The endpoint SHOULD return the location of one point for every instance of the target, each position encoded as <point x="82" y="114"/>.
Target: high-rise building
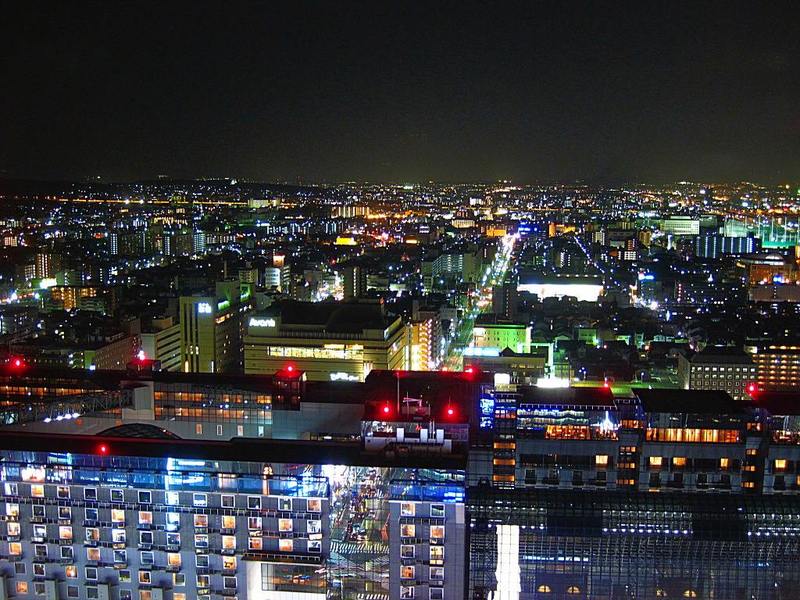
<point x="504" y="300"/>
<point x="212" y="328"/>
<point x="354" y="281"/>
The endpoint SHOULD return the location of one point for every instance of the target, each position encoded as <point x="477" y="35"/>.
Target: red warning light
<point x="469" y="370"/>
<point x="17" y="362"/>
<point x="605" y="384"/>
<point x="102" y="449"/>
<point x="450" y="411"/>
<point x="752" y="388"/>
<point x="386" y="409"/>
<point x="290" y="368"/>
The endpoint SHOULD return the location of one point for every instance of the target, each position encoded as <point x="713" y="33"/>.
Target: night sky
<point x="450" y="91"/>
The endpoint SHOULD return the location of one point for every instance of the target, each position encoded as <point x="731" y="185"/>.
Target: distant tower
<point x="355" y="281"/>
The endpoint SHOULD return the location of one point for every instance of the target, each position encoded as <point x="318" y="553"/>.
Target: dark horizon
<point x="318" y="93"/>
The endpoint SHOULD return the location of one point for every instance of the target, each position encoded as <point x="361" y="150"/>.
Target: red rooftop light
<point x="450" y="411"/>
<point x="386" y="409"/>
<point x="102" y="449"/>
<point x="290" y="368"/>
<point x="18" y="362"/>
<point x="752" y="388"/>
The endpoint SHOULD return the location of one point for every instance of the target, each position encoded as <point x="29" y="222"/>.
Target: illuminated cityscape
<point x="407" y="302"/>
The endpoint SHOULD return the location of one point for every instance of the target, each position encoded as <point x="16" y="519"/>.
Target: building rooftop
<point x="333" y="317"/>
<point x="722" y="355"/>
<point x="666" y="400"/>
<point x="600" y="397"/>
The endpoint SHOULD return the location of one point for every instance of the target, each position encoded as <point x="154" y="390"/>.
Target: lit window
<point x="228" y="522"/>
<point x="201" y="521"/>
<point x="689" y="593"/>
<point x="544" y="589"/>
<point x="15" y="549"/>
<point x="37" y="491"/>
<point x="437" y="532"/>
<point x="228" y="543"/>
<point x="255" y="543"/>
<point x="172" y="498"/>
<point x="407" y="509"/>
<point x="601" y="460"/>
<point x="724" y="463"/>
<point x="408" y="530"/>
<point x="93" y="554"/>
<point x="573" y="589"/>
<point x="780" y="464"/>
<point x="117" y="516"/>
<point x="285" y="545"/>
<point x="407" y="572"/>
<point x="678" y="461"/>
<point x="285" y="525"/>
<point x="174" y="560"/>
<point x="145" y="517"/>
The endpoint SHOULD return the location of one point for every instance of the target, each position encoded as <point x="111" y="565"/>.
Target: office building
<point x="162" y="341"/>
<point x="212" y="326"/>
<point x="326" y="340"/>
